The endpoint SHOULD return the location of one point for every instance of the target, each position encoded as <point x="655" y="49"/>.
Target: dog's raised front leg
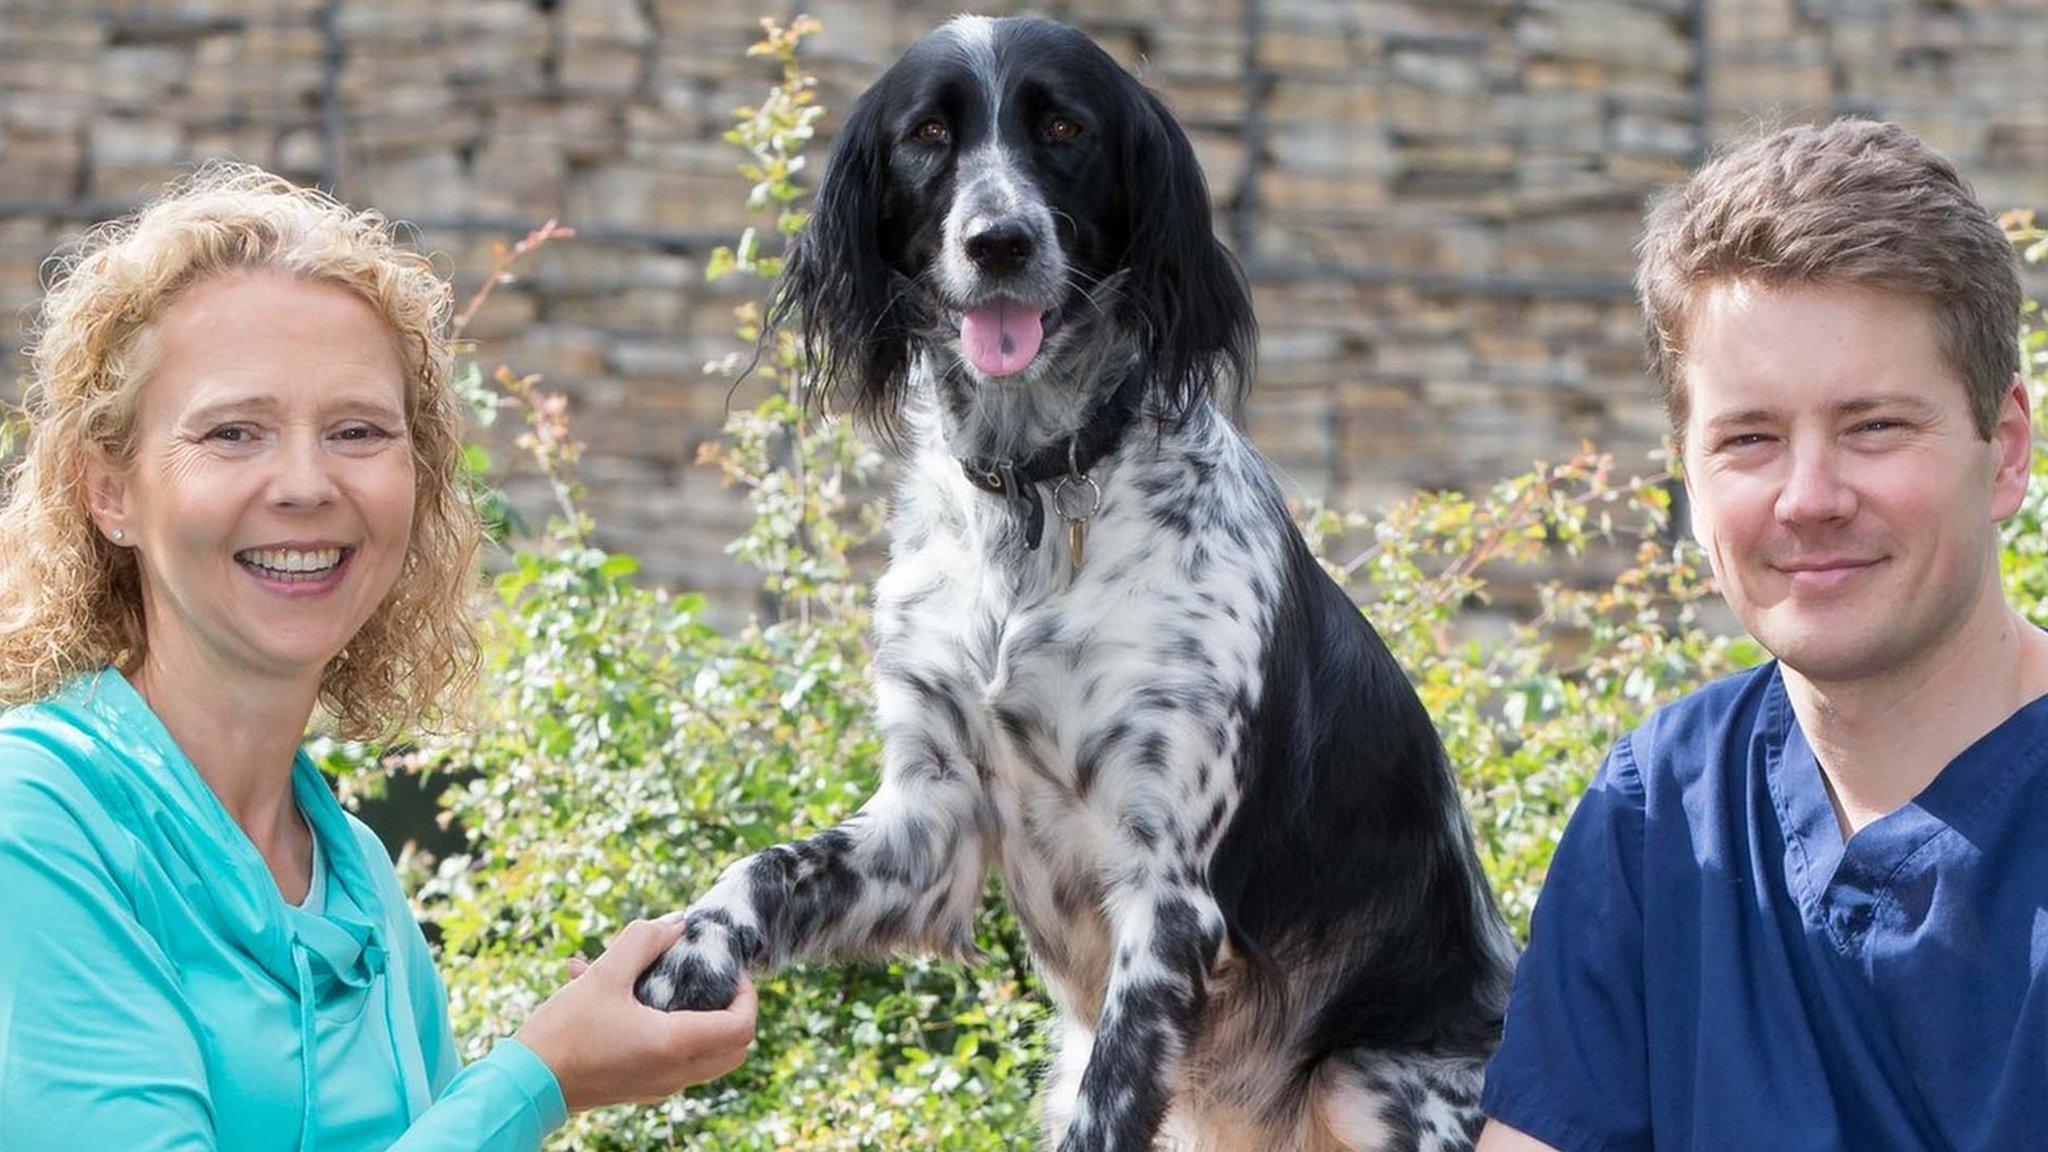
<point x="1168" y="934"/>
<point x="903" y="873"/>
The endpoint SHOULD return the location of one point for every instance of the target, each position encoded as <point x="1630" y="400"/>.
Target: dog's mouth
<point x="1002" y="336"/>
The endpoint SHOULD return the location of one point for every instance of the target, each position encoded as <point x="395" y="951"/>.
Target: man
<point x="1806" y="907"/>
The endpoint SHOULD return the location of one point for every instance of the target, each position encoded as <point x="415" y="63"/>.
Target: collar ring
<point x="1068" y="494"/>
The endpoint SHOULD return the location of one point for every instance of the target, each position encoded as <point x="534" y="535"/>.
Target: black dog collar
<point x="1017" y="483"/>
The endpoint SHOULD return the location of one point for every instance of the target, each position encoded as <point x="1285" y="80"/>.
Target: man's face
<point x="1842" y="493"/>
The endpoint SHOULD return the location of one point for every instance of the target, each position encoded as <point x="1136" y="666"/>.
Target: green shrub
<point x="624" y="751"/>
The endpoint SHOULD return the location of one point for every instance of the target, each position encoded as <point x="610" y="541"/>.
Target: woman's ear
<point x="106" y="494"/>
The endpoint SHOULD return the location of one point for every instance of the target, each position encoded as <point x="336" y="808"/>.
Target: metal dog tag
<point x="1076" y="498"/>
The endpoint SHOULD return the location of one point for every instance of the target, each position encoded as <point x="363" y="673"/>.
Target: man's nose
<point x="1815" y="491"/>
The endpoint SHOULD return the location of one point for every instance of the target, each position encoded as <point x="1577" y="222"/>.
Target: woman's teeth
<point x="289" y="563"/>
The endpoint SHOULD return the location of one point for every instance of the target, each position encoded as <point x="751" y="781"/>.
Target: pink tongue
<point x="1001" y="338"/>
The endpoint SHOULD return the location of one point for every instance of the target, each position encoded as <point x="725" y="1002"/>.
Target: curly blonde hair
<point x="70" y="601"/>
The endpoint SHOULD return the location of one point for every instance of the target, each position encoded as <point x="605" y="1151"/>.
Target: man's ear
<point x="106" y="493"/>
<point x="2013" y="439"/>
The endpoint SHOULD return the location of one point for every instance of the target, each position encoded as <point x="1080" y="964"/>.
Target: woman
<point x="241" y="498"/>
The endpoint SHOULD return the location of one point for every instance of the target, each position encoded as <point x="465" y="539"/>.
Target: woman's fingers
<point x="710" y="1044"/>
<point x="745" y="1002"/>
<point x="637" y="945"/>
<point x="722" y="1029"/>
<point x="605" y="1047"/>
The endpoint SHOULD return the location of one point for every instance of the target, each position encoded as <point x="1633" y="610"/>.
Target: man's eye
<point x="1745" y="440"/>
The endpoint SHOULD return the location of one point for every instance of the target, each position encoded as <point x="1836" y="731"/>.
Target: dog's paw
<point x="699" y="973"/>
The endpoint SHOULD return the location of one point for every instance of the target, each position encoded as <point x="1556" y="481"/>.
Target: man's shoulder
<point x="1700" y="730"/>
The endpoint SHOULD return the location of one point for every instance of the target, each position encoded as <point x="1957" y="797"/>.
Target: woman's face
<point x="269" y="500"/>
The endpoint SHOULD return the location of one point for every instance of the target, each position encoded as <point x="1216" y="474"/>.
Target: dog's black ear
<point x="849" y="305"/>
<point x="1188" y="299"/>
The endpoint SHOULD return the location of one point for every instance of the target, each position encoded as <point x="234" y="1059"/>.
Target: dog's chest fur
<point x="1102" y="708"/>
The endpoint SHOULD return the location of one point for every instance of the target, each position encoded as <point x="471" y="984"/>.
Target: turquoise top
<point x="157" y="993"/>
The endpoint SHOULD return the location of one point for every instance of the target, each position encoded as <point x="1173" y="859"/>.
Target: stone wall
<point x="1437" y="198"/>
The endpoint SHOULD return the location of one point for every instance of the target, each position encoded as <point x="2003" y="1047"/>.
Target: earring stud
<point x="117" y="534"/>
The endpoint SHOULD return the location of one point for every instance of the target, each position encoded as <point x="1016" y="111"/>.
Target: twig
<point x="501" y="272"/>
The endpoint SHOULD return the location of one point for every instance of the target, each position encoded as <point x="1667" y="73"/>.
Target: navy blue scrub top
<point x="1711" y="967"/>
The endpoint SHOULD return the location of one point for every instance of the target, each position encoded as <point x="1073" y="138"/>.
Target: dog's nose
<point x="1001" y="248"/>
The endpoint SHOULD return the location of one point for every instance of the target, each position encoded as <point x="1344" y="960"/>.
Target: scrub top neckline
<point x="1820" y="863"/>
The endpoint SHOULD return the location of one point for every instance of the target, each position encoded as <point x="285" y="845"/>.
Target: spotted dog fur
<point x="1218" y="809"/>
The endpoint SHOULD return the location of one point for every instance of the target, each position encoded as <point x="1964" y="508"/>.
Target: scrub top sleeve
<point x="505" y="1102"/>
<point x="1572" y="1069"/>
<point x="95" y="1040"/>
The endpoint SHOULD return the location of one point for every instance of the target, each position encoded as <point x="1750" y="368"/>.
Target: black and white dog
<point x="1106" y="663"/>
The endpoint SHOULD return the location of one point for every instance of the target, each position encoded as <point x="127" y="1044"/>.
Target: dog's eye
<point x="930" y="132"/>
<point x="1060" y="129"/>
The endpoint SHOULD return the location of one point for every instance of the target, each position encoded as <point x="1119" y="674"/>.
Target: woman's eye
<point x="931" y="132"/>
<point x="230" y="434"/>
<point x="1060" y="129"/>
<point x="366" y="437"/>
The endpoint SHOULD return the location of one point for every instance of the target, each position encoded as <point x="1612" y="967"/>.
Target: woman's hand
<point x="605" y="1047"/>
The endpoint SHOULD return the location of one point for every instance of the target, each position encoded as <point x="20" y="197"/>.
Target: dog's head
<point x="1011" y="202"/>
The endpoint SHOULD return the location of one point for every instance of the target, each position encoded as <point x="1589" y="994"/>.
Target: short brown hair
<point x="1857" y="202"/>
<point x="70" y="602"/>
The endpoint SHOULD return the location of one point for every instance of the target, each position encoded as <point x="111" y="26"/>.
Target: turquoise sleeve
<point x="428" y="995"/>
<point x="505" y="1102"/>
<point x="96" y="1046"/>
